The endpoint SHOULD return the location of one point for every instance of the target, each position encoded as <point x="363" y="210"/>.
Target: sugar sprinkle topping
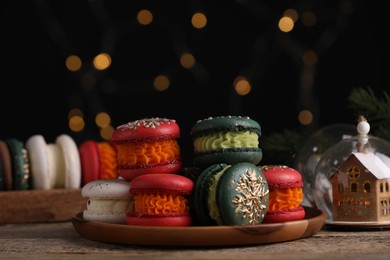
<point x="147" y="122"/>
<point x="210" y="118"/>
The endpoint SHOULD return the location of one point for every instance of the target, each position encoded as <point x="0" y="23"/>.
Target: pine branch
<point x="281" y="148"/>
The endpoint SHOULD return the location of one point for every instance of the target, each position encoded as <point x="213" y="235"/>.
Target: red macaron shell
<point x="278" y="216"/>
<point x="147" y="129"/>
<point x="90" y="164"/>
<point x="168" y="168"/>
<point x="280" y="176"/>
<point x="166" y="221"/>
<point x="164" y="182"/>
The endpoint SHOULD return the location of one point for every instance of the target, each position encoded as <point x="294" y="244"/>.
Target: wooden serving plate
<point x="194" y="236"/>
<point x="38" y="206"/>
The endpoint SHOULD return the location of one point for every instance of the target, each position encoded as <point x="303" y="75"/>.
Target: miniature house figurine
<point x="360" y="185"/>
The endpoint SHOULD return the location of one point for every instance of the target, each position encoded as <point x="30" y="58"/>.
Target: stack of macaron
<point x="230" y="189"/>
<point x="138" y="177"/>
<point x="149" y="161"/>
<point x="39" y="165"/>
<point x="36" y="164"/>
<point x="227" y="149"/>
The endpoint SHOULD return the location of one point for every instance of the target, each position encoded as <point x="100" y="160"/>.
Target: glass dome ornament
<point x="312" y="150"/>
<point x="352" y="179"/>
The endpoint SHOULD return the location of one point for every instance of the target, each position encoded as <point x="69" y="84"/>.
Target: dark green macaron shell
<point x="20" y="164"/>
<point x="226" y="139"/>
<point x="231" y="195"/>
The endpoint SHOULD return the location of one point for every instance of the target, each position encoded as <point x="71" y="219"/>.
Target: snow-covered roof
<point x="375" y="164"/>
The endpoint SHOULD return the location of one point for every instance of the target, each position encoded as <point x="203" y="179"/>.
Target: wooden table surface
<point x="62" y="241"/>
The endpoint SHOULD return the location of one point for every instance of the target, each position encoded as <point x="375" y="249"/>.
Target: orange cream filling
<point x="108" y="161"/>
<point x="160" y="203"/>
<point x="282" y="199"/>
<point x="131" y="154"/>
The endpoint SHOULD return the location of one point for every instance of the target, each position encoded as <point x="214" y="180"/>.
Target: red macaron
<point x="147" y="146"/>
<point x="160" y="199"/>
<point x="98" y="161"/>
<point x="285" y="194"/>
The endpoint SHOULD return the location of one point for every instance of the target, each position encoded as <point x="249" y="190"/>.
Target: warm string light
<point x="91" y="73"/>
<point x="291" y="18"/>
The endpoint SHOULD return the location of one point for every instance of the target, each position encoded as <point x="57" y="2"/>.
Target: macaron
<point x="147" y="146"/>
<point x="14" y="165"/>
<point x="160" y="199"/>
<point x="286" y="194"/>
<point x="98" y="161"/>
<point x="226" y="139"/>
<point x="108" y="200"/>
<point x="231" y="195"/>
<point x="5" y="167"/>
<point x="54" y="165"/>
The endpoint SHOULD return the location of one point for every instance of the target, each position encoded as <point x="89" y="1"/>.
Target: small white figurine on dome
<point x="363" y="128"/>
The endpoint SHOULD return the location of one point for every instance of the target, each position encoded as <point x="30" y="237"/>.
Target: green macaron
<point x="226" y="139"/>
<point x="19" y="163"/>
<point x="230" y="195"/>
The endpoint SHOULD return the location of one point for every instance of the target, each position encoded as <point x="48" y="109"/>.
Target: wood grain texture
<point x="62" y="241"/>
<point x="35" y="206"/>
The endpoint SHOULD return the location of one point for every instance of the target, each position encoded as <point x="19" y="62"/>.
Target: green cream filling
<point x="225" y="140"/>
<point x="212" y="198"/>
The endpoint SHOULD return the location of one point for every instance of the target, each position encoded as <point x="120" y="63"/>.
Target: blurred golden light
<point x="310" y="58"/>
<point x="305" y="117"/>
<point x="309" y="19"/>
<point x="73" y="63"/>
<point x="76" y="123"/>
<point x="199" y="20"/>
<point x="102" y="119"/>
<point x="187" y="60"/>
<point x="145" y="17"/>
<point x="102" y="61"/>
<point x="292" y="13"/>
<point x="161" y="83"/>
<point x="286" y="24"/>
<point x="106" y="132"/>
<point x="242" y="86"/>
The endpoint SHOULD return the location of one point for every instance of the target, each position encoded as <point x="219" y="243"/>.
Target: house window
<point x="353" y="172"/>
<point x="366" y="187"/>
<point x="353" y="187"/>
<point x="341" y="187"/>
<point x="381" y="187"/>
<point x="387" y="187"/>
<point x="384" y="209"/>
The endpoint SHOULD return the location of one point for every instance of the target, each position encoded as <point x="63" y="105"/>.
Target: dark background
<point x="241" y="37"/>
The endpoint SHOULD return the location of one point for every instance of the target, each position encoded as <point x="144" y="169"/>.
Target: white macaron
<point x="108" y="200"/>
<point x="54" y="165"/>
